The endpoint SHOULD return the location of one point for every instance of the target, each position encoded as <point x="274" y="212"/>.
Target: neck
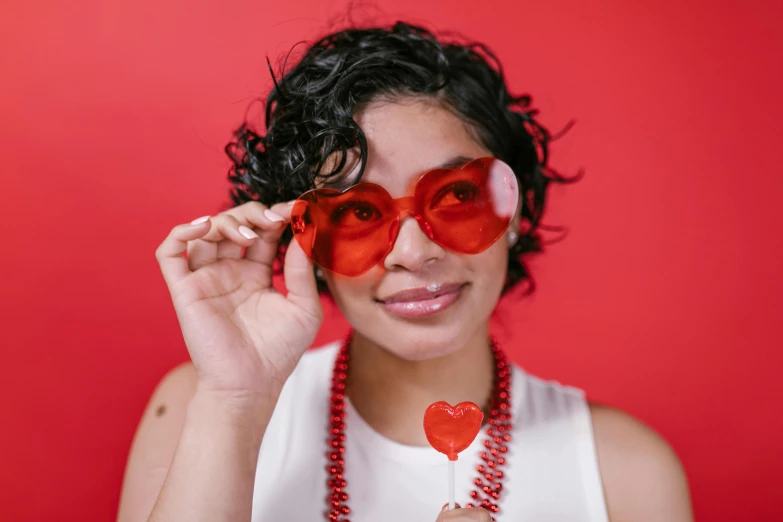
<point x="391" y="393"/>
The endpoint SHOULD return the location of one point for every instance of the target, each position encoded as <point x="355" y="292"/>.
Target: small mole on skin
<point x="161" y="410"/>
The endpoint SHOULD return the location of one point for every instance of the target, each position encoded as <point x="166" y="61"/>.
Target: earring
<point x="512" y="237"/>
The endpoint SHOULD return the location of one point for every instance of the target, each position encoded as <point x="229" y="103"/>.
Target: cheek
<point x="348" y="291"/>
<point x="491" y="265"/>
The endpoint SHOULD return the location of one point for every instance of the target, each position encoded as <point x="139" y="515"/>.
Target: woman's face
<point x="421" y="301"/>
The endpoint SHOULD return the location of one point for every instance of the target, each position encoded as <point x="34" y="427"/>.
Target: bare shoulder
<point x="155" y="441"/>
<point x="643" y="478"/>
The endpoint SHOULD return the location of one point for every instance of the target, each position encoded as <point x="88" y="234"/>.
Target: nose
<point x="412" y="249"/>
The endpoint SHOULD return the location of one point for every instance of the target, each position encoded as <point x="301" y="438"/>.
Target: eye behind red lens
<point x="468" y="209"/>
<point x="344" y="232"/>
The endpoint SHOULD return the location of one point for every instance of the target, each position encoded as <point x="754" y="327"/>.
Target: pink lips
<point x="422" y="302"/>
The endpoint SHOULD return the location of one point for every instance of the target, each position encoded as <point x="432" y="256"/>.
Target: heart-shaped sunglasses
<point x="464" y="210"/>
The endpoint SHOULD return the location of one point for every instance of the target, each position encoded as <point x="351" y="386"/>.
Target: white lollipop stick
<point x="451" y="484"/>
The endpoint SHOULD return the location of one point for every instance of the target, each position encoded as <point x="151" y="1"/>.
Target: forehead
<point x="407" y="137"/>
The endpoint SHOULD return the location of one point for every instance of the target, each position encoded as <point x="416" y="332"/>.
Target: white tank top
<point x="551" y="470"/>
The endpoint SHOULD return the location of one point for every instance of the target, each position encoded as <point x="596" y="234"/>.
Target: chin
<point x="423" y="341"/>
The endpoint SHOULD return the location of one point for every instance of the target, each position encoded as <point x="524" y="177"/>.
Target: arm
<point x="194" y="454"/>
<point x="155" y="443"/>
<point x="643" y="479"/>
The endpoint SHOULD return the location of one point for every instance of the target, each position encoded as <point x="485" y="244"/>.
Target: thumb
<point x="300" y="280"/>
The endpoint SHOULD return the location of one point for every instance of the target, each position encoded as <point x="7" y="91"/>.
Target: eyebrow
<point x="455" y="161"/>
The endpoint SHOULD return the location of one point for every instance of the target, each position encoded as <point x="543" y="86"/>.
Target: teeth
<point x="434" y="287"/>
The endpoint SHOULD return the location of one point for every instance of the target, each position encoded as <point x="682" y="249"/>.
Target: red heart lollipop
<point x="451" y="429"/>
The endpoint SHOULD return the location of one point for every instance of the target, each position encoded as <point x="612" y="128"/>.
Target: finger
<point x="253" y="211"/>
<point x="300" y="280"/>
<point x="201" y="253"/>
<point x="269" y="226"/>
<point x="171" y="252"/>
<point x="464" y="515"/>
<point x="227" y="233"/>
<point x="283" y="210"/>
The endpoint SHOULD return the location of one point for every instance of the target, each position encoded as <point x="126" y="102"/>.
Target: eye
<point x="457" y="193"/>
<point x="354" y="213"/>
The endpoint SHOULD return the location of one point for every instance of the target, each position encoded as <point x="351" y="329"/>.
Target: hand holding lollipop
<point x="450" y="430"/>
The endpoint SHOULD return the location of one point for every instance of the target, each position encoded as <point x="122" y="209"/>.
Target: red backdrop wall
<point x="664" y="300"/>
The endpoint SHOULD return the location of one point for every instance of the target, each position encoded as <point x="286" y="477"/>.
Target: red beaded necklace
<point x="490" y="476"/>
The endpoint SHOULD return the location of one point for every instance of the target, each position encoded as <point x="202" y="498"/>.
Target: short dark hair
<point x="310" y="111"/>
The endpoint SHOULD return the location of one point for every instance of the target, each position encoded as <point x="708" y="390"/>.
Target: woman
<point x="255" y="428"/>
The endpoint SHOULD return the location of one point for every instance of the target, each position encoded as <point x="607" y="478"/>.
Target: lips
<point x="417" y="303"/>
<point x="423" y="293"/>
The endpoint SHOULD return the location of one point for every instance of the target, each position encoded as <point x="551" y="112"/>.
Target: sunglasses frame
<point x="404" y="207"/>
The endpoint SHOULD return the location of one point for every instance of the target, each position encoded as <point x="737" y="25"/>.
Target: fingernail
<point x="272" y="216"/>
<point x="292" y="202"/>
<point x="200" y="220"/>
<point x="247" y="232"/>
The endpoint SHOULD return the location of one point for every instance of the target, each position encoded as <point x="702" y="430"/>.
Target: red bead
<point x="345" y="510"/>
<point x="474" y="494"/>
<point x="480" y="468"/>
<point x="491" y="464"/>
<point x="501" y="461"/>
<point x="489" y="476"/>
<point x="477" y="481"/>
<point x="499" y="474"/>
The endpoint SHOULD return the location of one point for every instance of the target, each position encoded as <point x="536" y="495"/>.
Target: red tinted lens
<point x="468" y="209"/>
<point x="344" y="232"/>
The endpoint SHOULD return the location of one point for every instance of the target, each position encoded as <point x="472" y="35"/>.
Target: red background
<point x="664" y="300"/>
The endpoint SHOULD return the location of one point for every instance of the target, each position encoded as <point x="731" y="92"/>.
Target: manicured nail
<point x="200" y="220"/>
<point x="247" y="232"/>
<point x="272" y="216"/>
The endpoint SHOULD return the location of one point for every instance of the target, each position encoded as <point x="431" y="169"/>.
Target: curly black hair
<point x="310" y="112"/>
